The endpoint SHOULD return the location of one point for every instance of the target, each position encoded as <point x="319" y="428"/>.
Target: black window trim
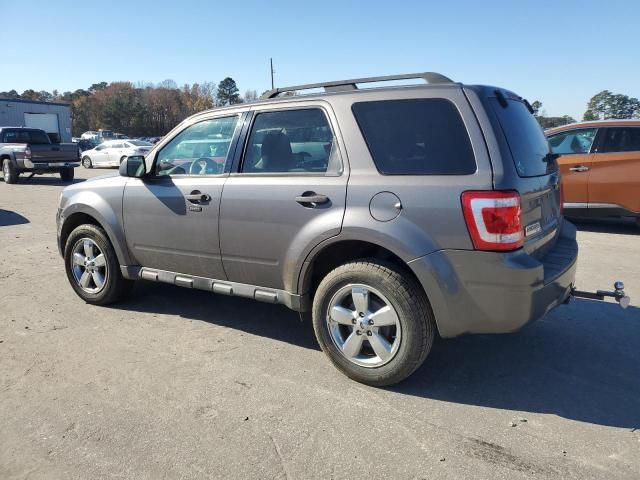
<point x="462" y="120"/>
<point x="238" y="161"/>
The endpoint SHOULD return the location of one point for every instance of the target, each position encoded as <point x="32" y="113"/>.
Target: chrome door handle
<point x="579" y="168"/>
<point x="197" y="197"/>
<point x="312" y="198"/>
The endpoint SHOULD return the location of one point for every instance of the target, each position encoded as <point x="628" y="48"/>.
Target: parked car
<point x="112" y="153"/>
<point x="387" y="214"/>
<point x="600" y="164"/>
<point x="86" y="145"/>
<point x="29" y="150"/>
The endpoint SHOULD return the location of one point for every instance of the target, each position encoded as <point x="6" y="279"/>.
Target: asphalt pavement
<point x="180" y="384"/>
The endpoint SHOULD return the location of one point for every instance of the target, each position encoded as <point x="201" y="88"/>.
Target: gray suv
<point x="387" y="213"/>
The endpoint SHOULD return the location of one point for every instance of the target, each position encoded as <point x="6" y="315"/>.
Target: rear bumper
<point x="28" y="165"/>
<point x="490" y="292"/>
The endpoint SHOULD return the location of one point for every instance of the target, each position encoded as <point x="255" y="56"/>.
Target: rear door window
<point x="527" y="143"/>
<point x="623" y="139"/>
<point x="416" y="137"/>
<point x="292" y="142"/>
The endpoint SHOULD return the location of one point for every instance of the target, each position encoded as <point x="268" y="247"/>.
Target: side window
<point x="10" y="137"/>
<point x="573" y="141"/>
<point x="416" y="137"/>
<point x="201" y="149"/>
<point x="291" y="141"/>
<point x="102" y="146"/>
<point x="622" y="140"/>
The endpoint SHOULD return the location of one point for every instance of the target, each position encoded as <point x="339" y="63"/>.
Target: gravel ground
<point x="178" y="383"/>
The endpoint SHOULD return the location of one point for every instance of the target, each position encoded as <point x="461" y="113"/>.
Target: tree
<point x="250" y="95"/>
<point x="96" y="87"/>
<point x="605" y="105"/>
<point x="228" y="92"/>
<point x="12" y="94"/>
<point x="549" y="122"/>
<point x="537" y="106"/>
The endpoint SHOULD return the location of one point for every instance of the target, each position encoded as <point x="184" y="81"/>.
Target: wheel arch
<point x="86" y="215"/>
<point x="336" y="253"/>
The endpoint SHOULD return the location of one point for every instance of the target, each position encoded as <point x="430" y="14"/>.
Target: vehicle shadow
<point x="256" y="318"/>
<point x="8" y="218"/>
<point x="623" y="226"/>
<point x="581" y="362"/>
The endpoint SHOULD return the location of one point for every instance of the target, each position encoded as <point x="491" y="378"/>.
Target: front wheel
<point x="373" y="322"/>
<point x="92" y="266"/>
<point x="86" y="162"/>
<point x="122" y="159"/>
<point x="66" y="174"/>
<point x="9" y="172"/>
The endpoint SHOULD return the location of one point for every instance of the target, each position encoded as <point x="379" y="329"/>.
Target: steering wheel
<point x="208" y="165"/>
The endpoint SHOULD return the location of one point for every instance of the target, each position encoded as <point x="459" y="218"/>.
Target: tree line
<point x="138" y="110"/>
<point x="153" y="110"/>
<point x="602" y="106"/>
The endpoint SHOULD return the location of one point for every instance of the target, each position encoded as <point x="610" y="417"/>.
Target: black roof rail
<point x="344" y="85"/>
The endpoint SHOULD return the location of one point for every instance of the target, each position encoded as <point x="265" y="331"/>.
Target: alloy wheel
<point x="364" y="325"/>
<point x="89" y="266"/>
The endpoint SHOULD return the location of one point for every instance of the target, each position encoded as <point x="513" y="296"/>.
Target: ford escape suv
<point x="389" y="214"/>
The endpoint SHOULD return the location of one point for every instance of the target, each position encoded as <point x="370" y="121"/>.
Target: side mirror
<point x="133" y="166"/>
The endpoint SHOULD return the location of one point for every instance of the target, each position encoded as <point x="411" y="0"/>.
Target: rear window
<point x="26" y="136"/>
<point x="528" y="145"/>
<point x="416" y="137"/>
<point x="140" y="143"/>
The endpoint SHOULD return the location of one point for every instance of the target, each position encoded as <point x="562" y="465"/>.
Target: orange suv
<point x="600" y="166"/>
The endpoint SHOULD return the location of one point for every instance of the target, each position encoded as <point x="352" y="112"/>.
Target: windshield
<point x="139" y="143"/>
<point x="528" y="145"/>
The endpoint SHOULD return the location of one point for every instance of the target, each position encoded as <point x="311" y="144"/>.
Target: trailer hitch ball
<point x="618" y="294"/>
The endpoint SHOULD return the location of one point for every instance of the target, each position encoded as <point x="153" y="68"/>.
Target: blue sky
<point x="559" y="52"/>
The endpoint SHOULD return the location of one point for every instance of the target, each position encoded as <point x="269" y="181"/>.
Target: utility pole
<point x="272" y="72"/>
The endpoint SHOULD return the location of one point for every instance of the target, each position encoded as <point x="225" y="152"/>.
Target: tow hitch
<point x="618" y="294"/>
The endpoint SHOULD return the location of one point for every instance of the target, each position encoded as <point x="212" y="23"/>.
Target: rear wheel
<point x="373" y="322"/>
<point x="86" y="162"/>
<point x="66" y="174"/>
<point x="9" y="172"/>
<point x="92" y="266"/>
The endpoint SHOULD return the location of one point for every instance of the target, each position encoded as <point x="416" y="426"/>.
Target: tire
<point x="66" y="174"/>
<point x="86" y="162"/>
<point x="409" y="340"/>
<point x="9" y="172"/>
<point x="114" y="286"/>
<point x="122" y="159"/>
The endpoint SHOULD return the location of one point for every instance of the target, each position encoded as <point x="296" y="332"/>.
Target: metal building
<point x="53" y="118"/>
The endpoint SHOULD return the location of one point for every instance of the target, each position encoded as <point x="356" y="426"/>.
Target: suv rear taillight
<point x="561" y="198"/>
<point x="27" y="153"/>
<point x="494" y="219"/>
